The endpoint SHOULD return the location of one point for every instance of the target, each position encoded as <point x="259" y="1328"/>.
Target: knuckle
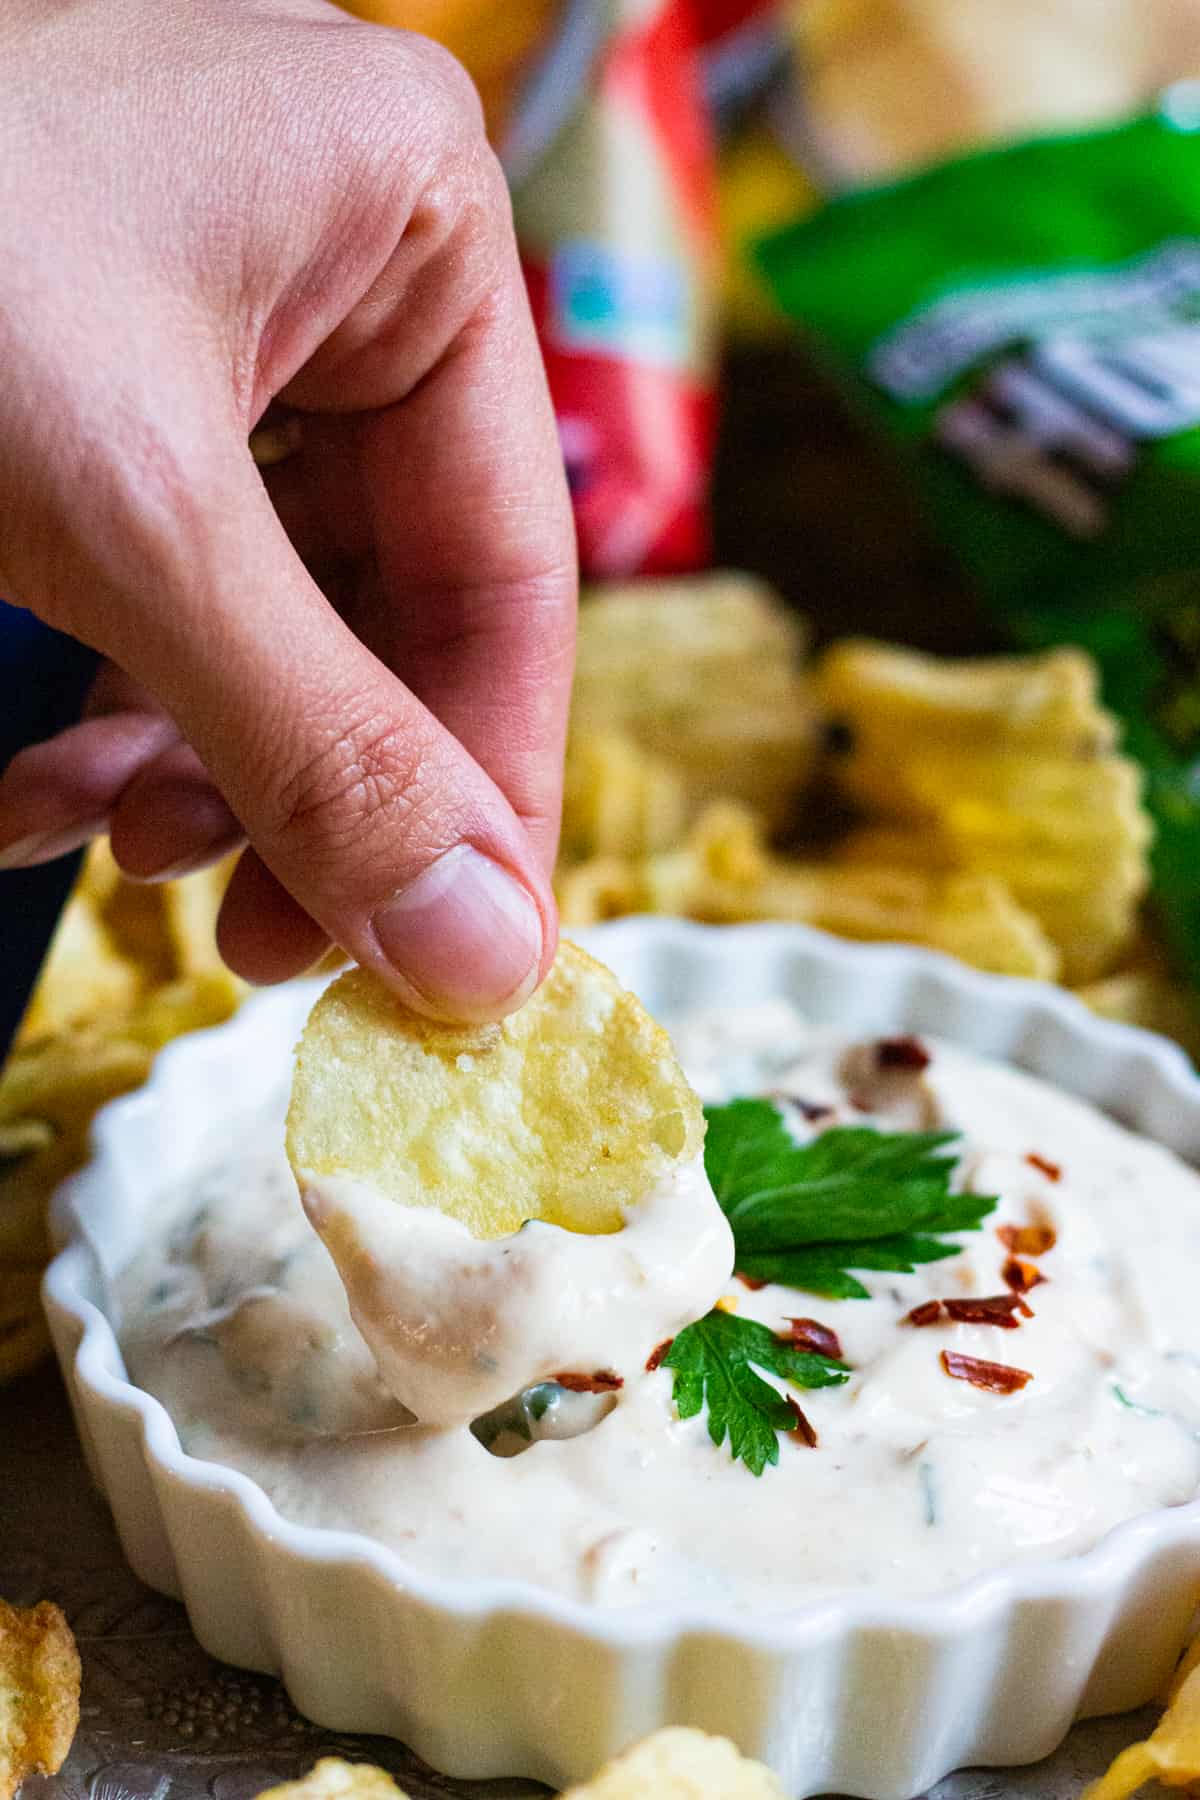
<point x="335" y="800"/>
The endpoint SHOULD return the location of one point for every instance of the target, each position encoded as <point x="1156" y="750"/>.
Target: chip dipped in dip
<point x="963" y="1335"/>
<point x="510" y="1204"/>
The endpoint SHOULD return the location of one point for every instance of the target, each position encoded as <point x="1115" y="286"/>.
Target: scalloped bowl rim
<point x="967" y="1606"/>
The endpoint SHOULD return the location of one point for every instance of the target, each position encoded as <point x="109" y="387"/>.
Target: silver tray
<point x="161" y="1720"/>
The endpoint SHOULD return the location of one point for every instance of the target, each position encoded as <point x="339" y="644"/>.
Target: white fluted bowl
<point x="864" y="1695"/>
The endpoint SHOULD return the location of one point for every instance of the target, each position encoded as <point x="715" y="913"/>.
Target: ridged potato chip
<point x="676" y="1764"/>
<point x="618" y="799"/>
<point x="886" y="706"/>
<point x="334" y="1779"/>
<point x="1000" y="767"/>
<point x="1171" y="1754"/>
<point x="568" y="1111"/>
<point x="679" y="1764"/>
<point x="83" y="978"/>
<point x="705" y="676"/>
<point x="603" y="887"/>
<point x="39" y="1692"/>
<point x="130" y="968"/>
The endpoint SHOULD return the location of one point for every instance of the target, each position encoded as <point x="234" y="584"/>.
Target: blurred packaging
<point x="617" y="224"/>
<point x="599" y="111"/>
<point x="1026" y="324"/>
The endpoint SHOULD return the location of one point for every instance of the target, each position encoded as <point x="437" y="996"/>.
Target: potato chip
<point x="569" y="1110"/>
<point x="83" y="979"/>
<point x="705" y="676"/>
<point x="334" y="1779"/>
<point x="190" y="908"/>
<point x="896" y="846"/>
<point x="618" y="799"/>
<point x="679" y="1764"/>
<point x="1067" y="836"/>
<point x="63" y="1080"/>
<point x="49" y="1092"/>
<point x="885" y="706"/>
<point x="1171" y="1754"/>
<point x="603" y="887"/>
<point x="968" y="916"/>
<point x="99" y="878"/>
<point x="39" y="1692"/>
<point x="134" y="915"/>
<point x="191" y="1004"/>
<point x="675" y="1764"/>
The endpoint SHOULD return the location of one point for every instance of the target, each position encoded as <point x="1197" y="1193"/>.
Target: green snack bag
<point x="1027" y="322"/>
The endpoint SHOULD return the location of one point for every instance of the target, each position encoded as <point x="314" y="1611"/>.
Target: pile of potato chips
<point x="131" y="967"/>
<point x="981" y="807"/>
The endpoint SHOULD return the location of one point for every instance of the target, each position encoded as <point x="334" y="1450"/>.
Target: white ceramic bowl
<point x="864" y="1695"/>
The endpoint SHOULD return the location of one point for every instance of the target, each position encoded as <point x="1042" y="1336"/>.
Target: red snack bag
<point x="617" y="223"/>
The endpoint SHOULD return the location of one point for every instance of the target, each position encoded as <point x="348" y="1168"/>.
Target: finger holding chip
<point x="508" y="1203"/>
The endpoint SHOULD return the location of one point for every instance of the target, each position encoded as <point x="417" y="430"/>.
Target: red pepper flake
<point x="804" y="1428"/>
<point x="602" y="1382"/>
<point x="902" y="1053"/>
<point x="751" y="1281"/>
<point x="1050" y="1170"/>
<point x="928" y="1313"/>
<point x="657" y="1355"/>
<point x="997" y="1378"/>
<point x="1020" y="1276"/>
<point x="1027" y="1240"/>
<point x="810" y="1334"/>
<point x="994" y="1309"/>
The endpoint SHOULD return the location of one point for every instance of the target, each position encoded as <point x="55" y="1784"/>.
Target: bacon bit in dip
<point x="1050" y="1170"/>
<point x="1027" y="1240"/>
<point x="750" y="1281"/>
<point x="602" y="1382"/>
<point x="902" y="1053"/>
<point x="1020" y="1275"/>
<point x="657" y="1355"/>
<point x="928" y="1313"/>
<point x="997" y="1378"/>
<point x="804" y="1428"/>
<point x="994" y="1309"/>
<point x="810" y="1334"/>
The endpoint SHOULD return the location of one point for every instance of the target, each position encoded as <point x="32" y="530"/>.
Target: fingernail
<point x="45" y="846"/>
<point x="464" y="935"/>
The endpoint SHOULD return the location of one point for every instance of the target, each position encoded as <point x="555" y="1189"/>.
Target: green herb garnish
<point x="805" y="1215"/>
<point x="713" y="1364"/>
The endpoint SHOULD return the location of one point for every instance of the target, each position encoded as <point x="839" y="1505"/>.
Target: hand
<point x="206" y="206"/>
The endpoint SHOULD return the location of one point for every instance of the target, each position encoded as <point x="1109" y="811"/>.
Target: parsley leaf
<point x="853" y="1198"/>
<point x="712" y="1365"/>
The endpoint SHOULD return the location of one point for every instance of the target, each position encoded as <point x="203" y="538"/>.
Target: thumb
<point x="376" y="820"/>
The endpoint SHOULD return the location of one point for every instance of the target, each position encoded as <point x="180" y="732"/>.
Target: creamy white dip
<point x="233" y="1315"/>
<point x="459" y="1324"/>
